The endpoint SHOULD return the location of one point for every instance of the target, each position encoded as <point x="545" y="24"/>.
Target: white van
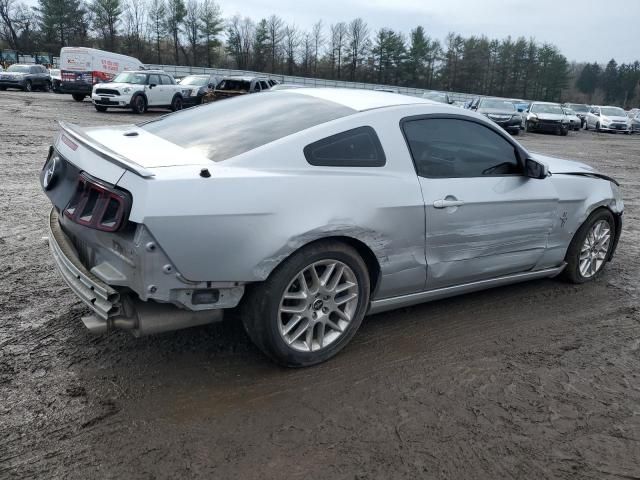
<point x="82" y="67"/>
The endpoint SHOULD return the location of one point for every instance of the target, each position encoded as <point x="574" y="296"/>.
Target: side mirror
<point x="474" y="107"/>
<point x="537" y="170"/>
<point x="520" y="109"/>
<point x="211" y="85"/>
<point x="151" y="85"/>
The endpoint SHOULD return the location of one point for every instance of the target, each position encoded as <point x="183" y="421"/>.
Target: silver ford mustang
<point x="307" y="209"/>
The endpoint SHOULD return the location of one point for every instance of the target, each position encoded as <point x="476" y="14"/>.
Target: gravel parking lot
<point x="537" y="380"/>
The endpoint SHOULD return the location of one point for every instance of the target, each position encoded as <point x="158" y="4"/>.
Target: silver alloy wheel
<point x="594" y="250"/>
<point x="318" y="305"/>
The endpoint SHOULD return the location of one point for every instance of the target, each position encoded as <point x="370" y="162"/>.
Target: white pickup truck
<point x="139" y="90"/>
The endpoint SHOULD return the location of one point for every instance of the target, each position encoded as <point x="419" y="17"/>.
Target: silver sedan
<point x="311" y="209"/>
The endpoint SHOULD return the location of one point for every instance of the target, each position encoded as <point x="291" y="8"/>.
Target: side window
<point x="255" y="87"/>
<point x="166" y="80"/>
<point x="263" y="85"/>
<point x="34" y="70"/>
<point x="154" y="80"/>
<point x="455" y="148"/>
<point x="272" y="82"/>
<point x="359" y="147"/>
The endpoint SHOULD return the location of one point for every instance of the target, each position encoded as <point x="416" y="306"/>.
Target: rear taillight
<point x="98" y="206"/>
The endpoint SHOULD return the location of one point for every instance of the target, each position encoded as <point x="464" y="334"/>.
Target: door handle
<point x="444" y="203"/>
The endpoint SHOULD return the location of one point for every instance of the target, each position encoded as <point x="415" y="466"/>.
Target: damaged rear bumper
<point x="111" y="308"/>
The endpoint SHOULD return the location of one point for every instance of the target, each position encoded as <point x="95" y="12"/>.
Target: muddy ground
<point x="538" y="380"/>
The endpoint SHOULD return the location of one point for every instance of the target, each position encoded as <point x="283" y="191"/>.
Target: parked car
<point x="521" y="105"/>
<point x="25" y="77"/>
<point x="56" y="79"/>
<point x="195" y="88"/>
<point x="139" y="90"/>
<point x="574" y="120"/>
<point x="580" y="109"/>
<point x="82" y="68"/>
<point x="608" y="119"/>
<point x="633" y="112"/>
<point x="239" y="85"/>
<point x="546" y="117"/>
<point x="440" y="97"/>
<point x="165" y="225"/>
<point x="503" y="112"/>
<point x="635" y="123"/>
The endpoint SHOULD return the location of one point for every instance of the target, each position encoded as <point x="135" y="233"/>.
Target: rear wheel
<point x="138" y="105"/>
<point x="3" y="88"/>
<point x="590" y="248"/>
<point x="598" y="127"/>
<point x="310" y="306"/>
<point x="47" y="87"/>
<point x="78" y="97"/>
<point x="28" y="86"/>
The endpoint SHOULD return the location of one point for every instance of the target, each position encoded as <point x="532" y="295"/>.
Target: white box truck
<point x="81" y="68"/>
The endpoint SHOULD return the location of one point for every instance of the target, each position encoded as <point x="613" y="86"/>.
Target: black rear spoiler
<point x="78" y="135"/>
<point x="590" y="174"/>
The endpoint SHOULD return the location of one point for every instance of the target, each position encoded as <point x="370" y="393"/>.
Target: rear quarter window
<point x="358" y="147"/>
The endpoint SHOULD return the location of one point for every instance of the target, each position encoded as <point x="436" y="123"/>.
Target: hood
<point x="117" y="86"/>
<point x="549" y="116"/>
<point x="617" y="118"/>
<point x="559" y="165"/>
<point x="15" y="74"/>
<point x="144" y="149"/>
<point x="496" y="111"/>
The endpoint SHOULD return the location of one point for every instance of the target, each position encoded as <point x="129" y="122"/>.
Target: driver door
<point x="484" y="217"/>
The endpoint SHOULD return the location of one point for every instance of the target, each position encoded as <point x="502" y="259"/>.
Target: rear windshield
<point x="234" y="85"/>
<point x="230" y="127"/>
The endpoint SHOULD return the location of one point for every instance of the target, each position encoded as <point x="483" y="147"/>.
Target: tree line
<point x="194" y="32"/>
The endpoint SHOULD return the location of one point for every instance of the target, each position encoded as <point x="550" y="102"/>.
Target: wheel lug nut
<point x="314" y="314"/>
<point x="325" y="310"/>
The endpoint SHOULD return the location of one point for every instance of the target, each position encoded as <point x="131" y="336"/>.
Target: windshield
<point x="198" y="81"/>
<point x="612" y="112"/>
<point x="249" y="122"/>
<point x="128" y="77"/>
<point x="18" y="68"/>
<point x="496" y="104"/>
<point x="230" y="84"/>
<point x="436" y="97"/>
<point x="576" y="107"/>
<point x="544" y="108"/>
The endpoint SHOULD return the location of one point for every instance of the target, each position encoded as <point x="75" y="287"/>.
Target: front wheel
<point x="138" y="105"/>
<point x="590" y="248"/>
<point x="100" y="108"/>
<point x="78" y="97"/>
<point x="28" y="87"/>
<point x="310" y="306"/>
<point x="176" y="104"/>
<point x="47" y="87"/>
<point x="598" y="127"/>
<point x="529" y="127"/>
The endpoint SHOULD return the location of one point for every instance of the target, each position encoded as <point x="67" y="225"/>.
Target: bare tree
<point x="106" y="16"/>
<point x="318" y="38"/>
<point x="8" y="12"/>
<point x="338" y="44"/>
<point x="176" y="12"/>
<point x="134" y="20"/>
<point x="192" y="27"/>
<point x="275" y="27"/>
<point x="358" y="36"/>
<point x="240" y="33"/>
<point x="291" y="44"/>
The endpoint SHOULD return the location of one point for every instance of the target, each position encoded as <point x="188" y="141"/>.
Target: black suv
<point x="503" y="112"/>
<point x="25" y="77"/>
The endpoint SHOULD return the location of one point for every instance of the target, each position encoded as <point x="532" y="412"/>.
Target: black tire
<point x="586" y="126"/>
<point x="261" y="303"/>
<point x="78" y="97"/>
<point x="138" y="104"/>
<point x="564" y="132"/>
<point x="46" y="87"/>
<point x="101" y="108"/>
<point x="176" y="103"/>
<point x="572" y="271"/>
<point x="3" y="88"/>
<point x="515" y="133"/>
<point x="598" y="127"/>
<point x="28" y="86"/>
<point x="528" y="127"/>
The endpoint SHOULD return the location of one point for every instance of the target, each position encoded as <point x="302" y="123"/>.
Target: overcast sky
<point x="585" y="30"/>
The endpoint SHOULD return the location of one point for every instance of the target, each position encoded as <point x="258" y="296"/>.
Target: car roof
<point x="359" y="100"/>
<point x="545" y="103"/>
<point x="246" y="78"/>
